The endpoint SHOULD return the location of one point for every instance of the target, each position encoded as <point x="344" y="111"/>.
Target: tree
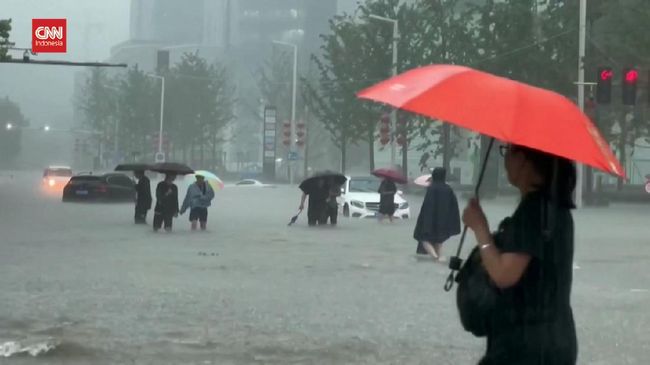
<point x="199" y="104"/>
<point x="5" y="28"/>
<point x="332" y="99"/>
<point x="10" y="115"/>
<point x="137" y="109"/>
<point x="446" y="33"/>
<point x="98" y="104"/>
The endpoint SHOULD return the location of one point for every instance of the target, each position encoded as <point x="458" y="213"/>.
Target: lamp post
<point x="293" y="102"/>
<point x="160" y="157"/>
<point x="393" y="115"/>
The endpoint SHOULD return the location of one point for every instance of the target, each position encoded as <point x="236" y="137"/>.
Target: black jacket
<point x="143" y="191"/>
<point x="166" y="198"/>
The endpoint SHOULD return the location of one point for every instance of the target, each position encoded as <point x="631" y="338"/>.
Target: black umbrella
<point x="171" y="168"/>
<point x="133" y="167"/>
<point x="294" y="218"/>
<point x="308" y="185"/>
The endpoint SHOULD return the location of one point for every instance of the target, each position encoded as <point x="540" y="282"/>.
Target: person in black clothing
<point x="530" y="261"/>
<point x="166" y="203"/>
<point x="317" y="207"/>
<point x="143" y="197"/>
<point x="439" y="216"/>
<point x="387" y="191"/>
<point x="332" y="203"/>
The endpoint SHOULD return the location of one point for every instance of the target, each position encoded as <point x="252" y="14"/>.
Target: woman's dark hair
<point x="546" y="165"/>
<point x="438" y="174"/>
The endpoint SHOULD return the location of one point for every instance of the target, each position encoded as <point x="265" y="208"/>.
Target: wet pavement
<point x="80" y="284"/>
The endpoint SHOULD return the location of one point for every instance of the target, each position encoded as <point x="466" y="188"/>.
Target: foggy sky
<point x="45" y="92"/>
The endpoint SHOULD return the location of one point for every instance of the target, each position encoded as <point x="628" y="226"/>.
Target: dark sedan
<point x="112" y="187"/>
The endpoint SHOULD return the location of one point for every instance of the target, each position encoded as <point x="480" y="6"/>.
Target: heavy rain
<point x="294" y="182"/>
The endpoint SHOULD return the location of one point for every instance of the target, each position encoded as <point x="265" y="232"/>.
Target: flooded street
<point x="82" y="281"/>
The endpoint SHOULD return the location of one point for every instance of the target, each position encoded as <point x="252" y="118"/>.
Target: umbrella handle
<point x="456" y="262"/>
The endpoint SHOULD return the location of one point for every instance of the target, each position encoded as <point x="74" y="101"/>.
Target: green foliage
<point x="199" y="103"/>
<point x="5" y="28"/>
<point x="10" y="139"/>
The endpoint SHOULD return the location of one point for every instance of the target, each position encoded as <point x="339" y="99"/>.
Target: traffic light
<point x="300" y="134"/>
<point x="630" y="78"/>
<point x="384" y="129"/>
<point x="286" y="133"/>
<point x="604" y="85"/>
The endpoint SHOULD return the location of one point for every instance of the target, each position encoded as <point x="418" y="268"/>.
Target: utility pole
<point x="581" y="88"/>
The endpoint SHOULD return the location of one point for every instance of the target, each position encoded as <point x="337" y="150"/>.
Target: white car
<point x="56" y="177"/>
<point x="360" y="199"/>
<point x="251" y="183"/>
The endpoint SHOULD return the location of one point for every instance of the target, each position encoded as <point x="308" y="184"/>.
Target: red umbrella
<point x="501" y="108"/>
<point x="390" y="174"/>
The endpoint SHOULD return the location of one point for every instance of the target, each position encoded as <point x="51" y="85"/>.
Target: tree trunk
<point x="192" y="153"/>
<point x="405" y="168"/>
<point x="371" y="149"/>
<point x="202" y="153"/>
<point x="214" y="151"/>
<point x="446" y="150"/>
<point x="343" y="155"/>
<point x="306" y="166"/>
<point x="622" y="142"/>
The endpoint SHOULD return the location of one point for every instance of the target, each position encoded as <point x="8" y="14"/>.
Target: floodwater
<point x="80" y="284"/>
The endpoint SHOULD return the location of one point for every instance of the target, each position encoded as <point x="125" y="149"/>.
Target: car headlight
<point x="404" y="205"/>
<point x="358" y="204"/>
<point x="51" y="182"/>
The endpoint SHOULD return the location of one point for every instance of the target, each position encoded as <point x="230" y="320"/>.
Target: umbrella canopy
<point x="171" y="168"/>
<point x="391" y="174"/>
<point x="424" y="180"/>
<point x="211" y="178"/>
<point x="133" y="167"/>
<point x="501" y="108"/>
<point x="308" y="185"/>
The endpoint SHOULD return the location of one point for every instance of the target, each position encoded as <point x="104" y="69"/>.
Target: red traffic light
<point x="631" y="76"/>
<point x="606" y="74"/>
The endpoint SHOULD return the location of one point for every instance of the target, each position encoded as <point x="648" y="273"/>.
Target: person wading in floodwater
<point x="166" y="203"/>
<point x="439" y="216"/>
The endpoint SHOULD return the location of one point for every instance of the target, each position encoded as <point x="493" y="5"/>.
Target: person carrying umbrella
<point x="318" y="193"/>
<point x="198" y="198"/>
<point x="530" y="261"/>
<point x="387" y="191"/>
<point x="439" y="216"/>
<point x="332" y="209"/>
<point x="143" y="197"/>
<point x="166" y="203"/>
<point x="515" y="286"/>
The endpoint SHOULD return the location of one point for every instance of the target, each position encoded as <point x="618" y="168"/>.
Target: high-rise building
<point x="238" y="33"/>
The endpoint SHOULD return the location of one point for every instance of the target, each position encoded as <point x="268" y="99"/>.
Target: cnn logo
<point x="49" y="36"/>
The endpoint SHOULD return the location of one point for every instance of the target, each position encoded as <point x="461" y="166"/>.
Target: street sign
<point x="160" y="157"/>
<point x="292" y="156"/>
<point x="268" y="142"/>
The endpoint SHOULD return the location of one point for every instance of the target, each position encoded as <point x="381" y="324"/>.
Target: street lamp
<point x="46" y="128"/>
<point x="9" y="126"/>
<point x="160" y="156"/>
<point x="393" y="115"/>
<point x="293" y="101"/>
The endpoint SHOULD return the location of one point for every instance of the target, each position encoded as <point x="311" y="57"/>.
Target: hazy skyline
<point x="45" y="92"/>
